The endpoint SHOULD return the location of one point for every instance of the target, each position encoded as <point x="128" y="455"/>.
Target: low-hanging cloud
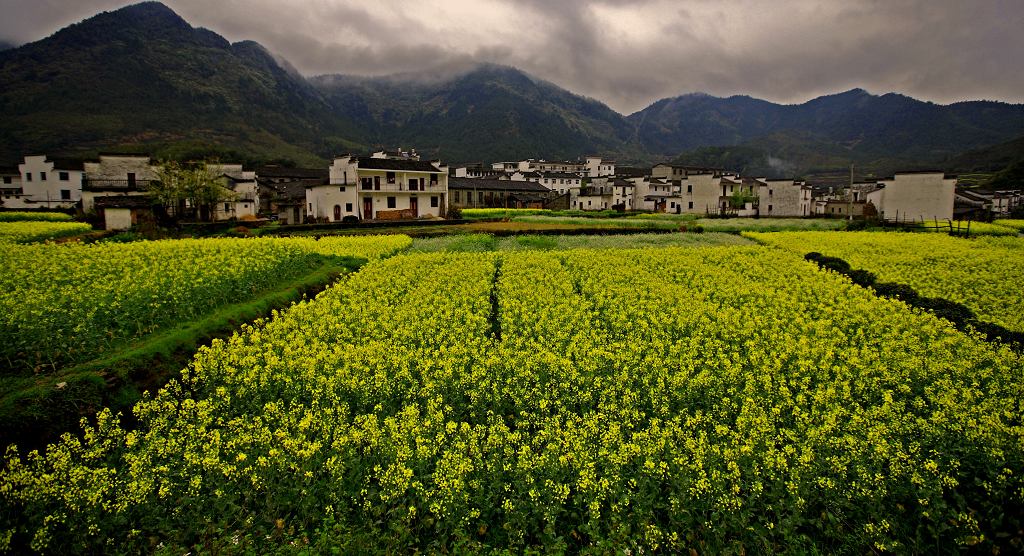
<point x="626" y="53"/>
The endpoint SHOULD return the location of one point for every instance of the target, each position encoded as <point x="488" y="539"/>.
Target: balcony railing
<point x="102" y="184"/>
<point x="399" y="187"/>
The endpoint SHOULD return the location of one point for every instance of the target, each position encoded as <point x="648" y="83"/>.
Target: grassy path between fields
<point x="35" y="410"/>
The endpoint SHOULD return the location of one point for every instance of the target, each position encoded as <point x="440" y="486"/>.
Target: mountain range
<point x="142" y="79"/>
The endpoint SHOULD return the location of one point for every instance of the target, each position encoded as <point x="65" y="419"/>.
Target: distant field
<point x="34" y="217"/>
<point x="35" y="231"/>
<point x="469" y="243"/>
<point x="1015" y="224"/>
<point x="974" y="179"/>
<point x="674" y="221"/>
<point x="485" y="213"/>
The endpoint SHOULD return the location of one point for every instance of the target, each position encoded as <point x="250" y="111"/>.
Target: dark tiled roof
<point x="388" y="164"/>
<point x="632" y="171"/>
<point x="497" y="185"/>
<point x="124" y="201"/>
<point x="619" y="182"/>
<point x="295" y="189"/>
<point x="295" y="173"/>
<point x="9" y="170"/>
<point x="944" y="175"/>
<point x="126" y="155"/>
<point x="67" y="164"/>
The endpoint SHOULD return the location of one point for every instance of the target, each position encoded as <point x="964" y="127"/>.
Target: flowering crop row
<point x="16" y="216"/>
<point x="722" y="399"/>
<point x="985" y="229"/>
<point x="29" y="232"/>
<point x="367" y="247"/>
<point x="1015" y="224"/>
<point x="982" y="273"/>
<point x="62" y="304"/>
<point x="484" y="213"/>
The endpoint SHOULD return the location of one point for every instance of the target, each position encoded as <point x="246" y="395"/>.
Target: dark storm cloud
<point x="626" y="53"/>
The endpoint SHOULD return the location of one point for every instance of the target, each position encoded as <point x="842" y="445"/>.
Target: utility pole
<point x="849" y="196"/>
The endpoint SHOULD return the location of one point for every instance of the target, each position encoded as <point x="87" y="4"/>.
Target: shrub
<point x="862" y="277"/>
<point x="899" y="291"/>
<point x="957" y="313"/>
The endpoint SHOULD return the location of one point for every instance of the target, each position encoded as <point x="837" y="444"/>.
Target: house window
<point x="311" y="207"/>
<point x="367" y="183"/>
<point x="689" y="188"/>
<point x="341" y="189"/>
<point x="28" y="176"/>
<point x="480" y="197"/>
<point x="7" y="179"/>
<point x="65" y="194"/>
<point x="457" y="197"/>
<point x="42" y="176"/>
<point x="391" y="177"/>
<point x="770" y="192"/>
<point x="376" y="182"/>
<point x="245" y="205"/>
<point x="391" y="202"/>
<point x="769" y="206"/>
<point x="348" y="207"/>
<point x="672" y="204"/>
<point x="63" y="176"/>
<point x="433" y="179"/>
<point x="434" y="202"/>
<point x="690" y="205"/>
<point x="131" y="179"/>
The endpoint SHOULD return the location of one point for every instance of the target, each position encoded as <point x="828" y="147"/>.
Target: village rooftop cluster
<point x="398" y="185"/>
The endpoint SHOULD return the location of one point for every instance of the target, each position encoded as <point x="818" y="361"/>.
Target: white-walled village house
<point x="12" y="195"/>
<point x="244" y="202"/>
<point x="915" y="196"/>
<point x="371" y="188"/>
<point x="45" y="183"/>
<point x="116" y="175"/>
<point x="783" y="197"/>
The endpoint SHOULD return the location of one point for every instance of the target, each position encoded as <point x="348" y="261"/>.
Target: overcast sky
<point x="627" y="53"/>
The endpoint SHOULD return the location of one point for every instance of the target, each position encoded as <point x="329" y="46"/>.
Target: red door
<point x="367" y="208"/>
<point x="414" y="206"/>
<point x="337" y="213"/>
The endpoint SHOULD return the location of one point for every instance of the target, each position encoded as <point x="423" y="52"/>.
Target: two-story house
<point x="370" y="188"/>
<point x="116" y="175"/>
<point x="48" y="183"/>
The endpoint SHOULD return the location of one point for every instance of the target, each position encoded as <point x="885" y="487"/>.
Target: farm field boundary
<point x="743" y="401"/>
